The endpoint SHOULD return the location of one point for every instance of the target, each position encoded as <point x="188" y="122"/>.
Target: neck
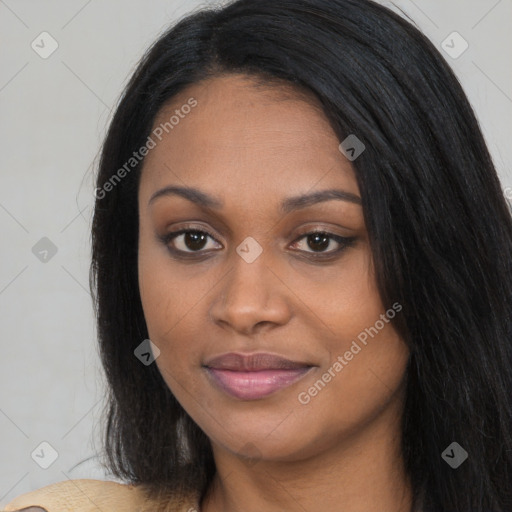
<point x="362" y="472"/>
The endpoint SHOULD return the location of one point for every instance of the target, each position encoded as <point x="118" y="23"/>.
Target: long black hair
<point x="440" y="231"/>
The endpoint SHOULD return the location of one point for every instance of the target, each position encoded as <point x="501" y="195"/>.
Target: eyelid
<point x="318" y="228"/>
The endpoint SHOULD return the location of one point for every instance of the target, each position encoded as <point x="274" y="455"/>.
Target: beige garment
<point x="87" y="495"/>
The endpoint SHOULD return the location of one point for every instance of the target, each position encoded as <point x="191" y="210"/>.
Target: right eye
<point x="188" y="241"/>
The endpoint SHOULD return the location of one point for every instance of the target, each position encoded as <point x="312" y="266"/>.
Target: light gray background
<point x="54" y="114"/>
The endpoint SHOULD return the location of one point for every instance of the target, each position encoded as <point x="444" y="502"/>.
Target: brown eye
<point x="188" y="241"/>
<point x="195" y="240"/>
<point x="320" y="241"/>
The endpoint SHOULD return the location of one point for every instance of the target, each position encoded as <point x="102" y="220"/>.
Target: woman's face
<point x="328" y="364"/>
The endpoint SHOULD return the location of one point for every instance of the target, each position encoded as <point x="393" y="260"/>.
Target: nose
<point x="252" y="298"/>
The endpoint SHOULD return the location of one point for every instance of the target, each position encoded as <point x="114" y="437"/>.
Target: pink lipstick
<point x="254" y="376"/>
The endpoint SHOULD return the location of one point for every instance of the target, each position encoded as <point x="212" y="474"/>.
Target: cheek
<point x="173" y="298"/>
<point x="366" y="360"/>
<point x="364" y="375"/>
<point x="168" y="294"/>
<point x="168" y="302"/>
<point x="342" y="299"/>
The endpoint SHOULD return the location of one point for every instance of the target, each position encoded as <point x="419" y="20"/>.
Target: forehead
<point x="246" y="139"/>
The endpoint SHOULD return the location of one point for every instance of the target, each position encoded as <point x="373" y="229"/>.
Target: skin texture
<point x="252" y="147"/>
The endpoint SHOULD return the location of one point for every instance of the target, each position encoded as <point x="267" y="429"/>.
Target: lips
<point x="255" y="376"/>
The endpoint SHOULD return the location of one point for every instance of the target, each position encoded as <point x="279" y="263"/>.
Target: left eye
<point x="319" y="241"/>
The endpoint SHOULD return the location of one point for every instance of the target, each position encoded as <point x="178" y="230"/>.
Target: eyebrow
<point x="288" y="205"/>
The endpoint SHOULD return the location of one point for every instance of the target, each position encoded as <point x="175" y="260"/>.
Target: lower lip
<point x="255" y="385"/>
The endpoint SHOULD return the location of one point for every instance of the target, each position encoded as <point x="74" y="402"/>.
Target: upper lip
<point x="253" y="362"/>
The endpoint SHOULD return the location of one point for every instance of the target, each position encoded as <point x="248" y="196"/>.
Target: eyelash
<point x="344" y="242"/>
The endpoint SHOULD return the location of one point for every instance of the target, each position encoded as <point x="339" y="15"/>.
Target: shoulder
<point x="83" y="495"/>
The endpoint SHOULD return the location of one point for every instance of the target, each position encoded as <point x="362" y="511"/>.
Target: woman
<point x="296" y="206"/>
